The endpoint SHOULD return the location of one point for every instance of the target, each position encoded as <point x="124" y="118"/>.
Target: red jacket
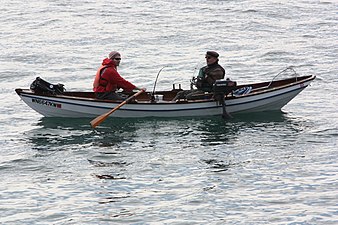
<point x="107" y="79"/>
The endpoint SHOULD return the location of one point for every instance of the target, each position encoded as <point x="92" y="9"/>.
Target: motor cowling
<point x="224" y="87"/>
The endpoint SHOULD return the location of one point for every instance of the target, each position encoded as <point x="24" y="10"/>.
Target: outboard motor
<point x="223" y="88"/>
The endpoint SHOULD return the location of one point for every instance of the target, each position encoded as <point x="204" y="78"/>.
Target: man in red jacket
<point x="108" y="80"/>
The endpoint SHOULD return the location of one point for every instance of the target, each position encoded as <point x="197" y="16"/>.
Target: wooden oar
<point x="104" y="116"/>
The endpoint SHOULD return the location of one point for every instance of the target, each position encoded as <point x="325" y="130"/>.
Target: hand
<point x="142" y="88"/>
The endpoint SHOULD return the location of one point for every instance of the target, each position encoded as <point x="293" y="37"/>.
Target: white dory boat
<point x="256" y="97"/>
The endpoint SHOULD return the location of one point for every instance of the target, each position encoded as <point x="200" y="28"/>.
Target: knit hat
<point x="112" y="54"/>
<point x="213" y="54"/>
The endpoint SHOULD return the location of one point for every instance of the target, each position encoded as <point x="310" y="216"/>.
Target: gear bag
<point x="41" y="86"/>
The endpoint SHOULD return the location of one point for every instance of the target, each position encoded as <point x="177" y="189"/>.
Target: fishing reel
<point x="195" y="82"/>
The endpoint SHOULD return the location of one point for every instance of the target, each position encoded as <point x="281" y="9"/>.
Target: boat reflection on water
<point x="230" y="143"/>
<point x="217" y="130"/>
<point x="56" y="133"/>
<point x="119" y="143"/>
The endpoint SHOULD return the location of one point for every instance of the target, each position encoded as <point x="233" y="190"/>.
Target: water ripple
<point x="270" y="168"/>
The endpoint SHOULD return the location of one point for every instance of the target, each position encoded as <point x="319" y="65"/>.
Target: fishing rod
<point x="152" y="96"/>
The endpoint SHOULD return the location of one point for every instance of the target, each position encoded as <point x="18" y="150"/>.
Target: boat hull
<point x="75" y="107"/>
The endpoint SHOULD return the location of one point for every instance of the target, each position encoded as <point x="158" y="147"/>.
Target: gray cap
<point x="112" y="54"/>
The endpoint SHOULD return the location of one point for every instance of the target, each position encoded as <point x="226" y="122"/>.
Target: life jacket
<point x="99" y="80"/>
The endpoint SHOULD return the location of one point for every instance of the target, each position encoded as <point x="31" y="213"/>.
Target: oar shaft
<point x="95" y="122"/>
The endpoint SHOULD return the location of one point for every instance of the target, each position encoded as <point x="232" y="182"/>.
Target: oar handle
<point x="95" y="122"/>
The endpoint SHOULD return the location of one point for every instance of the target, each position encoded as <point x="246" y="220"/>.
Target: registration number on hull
<point x="46" y="103"/>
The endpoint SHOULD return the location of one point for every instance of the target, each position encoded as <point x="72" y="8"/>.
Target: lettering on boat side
<point x="45" y="102"/>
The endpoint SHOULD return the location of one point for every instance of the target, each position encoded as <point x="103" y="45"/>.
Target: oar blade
<point x="95" y="122"/>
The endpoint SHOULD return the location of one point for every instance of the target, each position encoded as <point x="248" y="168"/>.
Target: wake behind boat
<point x="246" y="98"/>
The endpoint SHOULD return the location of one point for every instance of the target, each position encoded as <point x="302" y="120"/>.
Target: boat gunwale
<point x="265" y="89"/>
